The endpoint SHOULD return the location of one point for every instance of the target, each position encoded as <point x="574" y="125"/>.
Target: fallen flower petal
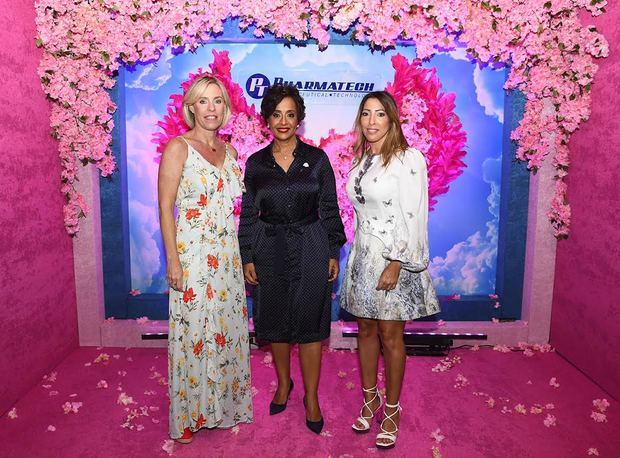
<point x="601" y="404"/>
<point x="102" y="358"/>
<point x="437" y="436"/>
<point x="520" y="408"/>
<point x="598" y="417"/>
<point x="593" y="451"/>
<point x="51" y="428"/>
<point x="554" y="383"/>
<point x="168" y="446"/>
<point x="123" y="399"/>
<point x="12" y="413"/>
<point x="549" y="420"/>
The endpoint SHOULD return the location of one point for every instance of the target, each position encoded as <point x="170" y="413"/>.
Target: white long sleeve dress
<point x="391" y="213"/>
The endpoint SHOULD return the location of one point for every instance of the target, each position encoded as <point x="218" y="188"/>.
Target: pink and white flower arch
<point x="549" y="50"/>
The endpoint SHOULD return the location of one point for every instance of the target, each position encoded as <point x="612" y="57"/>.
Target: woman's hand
<point x="174" y="275"/>
<point x="249" y="273"/>
<point x="334" y="269"/>
<point x="389" y="276"/>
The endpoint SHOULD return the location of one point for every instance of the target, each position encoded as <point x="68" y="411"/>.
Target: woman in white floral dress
<point x="208" y="345"/>
<point x="386" y="281"/>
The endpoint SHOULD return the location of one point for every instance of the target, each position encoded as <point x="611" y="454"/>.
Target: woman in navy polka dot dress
<point x="290" y="234"/>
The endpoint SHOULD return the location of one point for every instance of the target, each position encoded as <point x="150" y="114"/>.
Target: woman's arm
<point x="249" y="215"/>
<point x="169" y="178"/>
<point x="329" y="209"/>
<point x="410" y="247"/>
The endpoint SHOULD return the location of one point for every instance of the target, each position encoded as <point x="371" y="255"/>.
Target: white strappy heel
<point x="388" y="435"/>
<point x="363" y="420"/>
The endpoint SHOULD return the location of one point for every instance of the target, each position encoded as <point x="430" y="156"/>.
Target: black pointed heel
<point x="315" y="426"/>
<point x="279" y="408"/>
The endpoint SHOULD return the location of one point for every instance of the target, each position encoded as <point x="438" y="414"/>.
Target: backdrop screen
<point x="463" y="224"/>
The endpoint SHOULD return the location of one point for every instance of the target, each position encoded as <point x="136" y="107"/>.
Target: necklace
<point x="357" y="182"/>
<point x="286" y="155"/>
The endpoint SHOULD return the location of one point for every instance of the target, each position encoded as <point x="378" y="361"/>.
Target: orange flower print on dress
<point x="208" y="325"/>
<point x="198" y="347"/>
<point x="200" y="422"/>
<point x="189" y="295"/>
<point x="220" y="339"/>
<point x="212" y="261"/>
<point x="192" y="213"/>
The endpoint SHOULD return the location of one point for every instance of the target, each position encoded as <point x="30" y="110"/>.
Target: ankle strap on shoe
<point x="393" y="406"/>
<point x="370" y="390"/>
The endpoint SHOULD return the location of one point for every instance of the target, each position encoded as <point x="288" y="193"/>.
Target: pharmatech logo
<point x="256" y="85"/>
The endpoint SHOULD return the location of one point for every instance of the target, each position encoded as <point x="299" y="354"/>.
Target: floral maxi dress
<point x="208" y="344"/>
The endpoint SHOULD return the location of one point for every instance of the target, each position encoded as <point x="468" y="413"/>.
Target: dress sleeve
<point x="411" y="237"/>
<point x="329" y="210"/>
<point x="248" y="217"/>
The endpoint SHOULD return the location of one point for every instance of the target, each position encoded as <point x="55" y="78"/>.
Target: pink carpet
<point x="488" y="404"/>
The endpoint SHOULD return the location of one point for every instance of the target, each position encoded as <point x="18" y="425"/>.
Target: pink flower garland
<point x="550" y="52"/>
<point x="427" y="114"/>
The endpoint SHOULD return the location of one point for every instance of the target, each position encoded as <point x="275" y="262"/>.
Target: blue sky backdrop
<point x="462" y="228"/>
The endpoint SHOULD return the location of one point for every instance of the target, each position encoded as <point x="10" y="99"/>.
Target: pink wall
<point x="585" y="325"/>
<point x="37" y="292"/>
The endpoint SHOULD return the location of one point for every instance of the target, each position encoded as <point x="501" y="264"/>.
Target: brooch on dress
<point x="357" y="187"/>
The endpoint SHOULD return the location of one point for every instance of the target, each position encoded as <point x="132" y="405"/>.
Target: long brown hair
<point x="395" y="141"/>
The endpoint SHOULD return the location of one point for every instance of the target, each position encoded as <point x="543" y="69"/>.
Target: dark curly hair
<point x="275" y="94"/>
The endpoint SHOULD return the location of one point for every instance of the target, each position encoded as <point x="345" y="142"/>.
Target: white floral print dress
<point x="391" y="213"/>
<point x="208" y="343"/>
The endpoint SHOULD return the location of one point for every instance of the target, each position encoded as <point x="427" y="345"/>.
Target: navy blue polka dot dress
<point x="290" y="227"/>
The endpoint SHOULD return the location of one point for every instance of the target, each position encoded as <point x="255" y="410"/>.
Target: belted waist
<point x="281" y="230"/>
<point x="311" y="218"/>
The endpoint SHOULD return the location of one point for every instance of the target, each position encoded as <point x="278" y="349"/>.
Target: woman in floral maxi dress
<point x="208" y="345"/>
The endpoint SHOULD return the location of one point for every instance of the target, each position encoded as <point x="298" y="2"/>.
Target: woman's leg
<point x="310" y="359"/>
<point x="368" y="348"/>
<point x="391" y="334"/>
<point x="282" y="360"/>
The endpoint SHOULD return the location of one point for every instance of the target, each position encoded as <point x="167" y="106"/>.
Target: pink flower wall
<point x="585" y="326"/>
<point x="37" y="292"/>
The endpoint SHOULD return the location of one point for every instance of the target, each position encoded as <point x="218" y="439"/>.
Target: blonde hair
<point x="395" y="141"/>
<point x="193" y="94"/>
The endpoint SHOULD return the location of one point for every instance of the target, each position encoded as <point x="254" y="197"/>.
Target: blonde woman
<point x="386" y="280"/>
<point x="208" y="346"/>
